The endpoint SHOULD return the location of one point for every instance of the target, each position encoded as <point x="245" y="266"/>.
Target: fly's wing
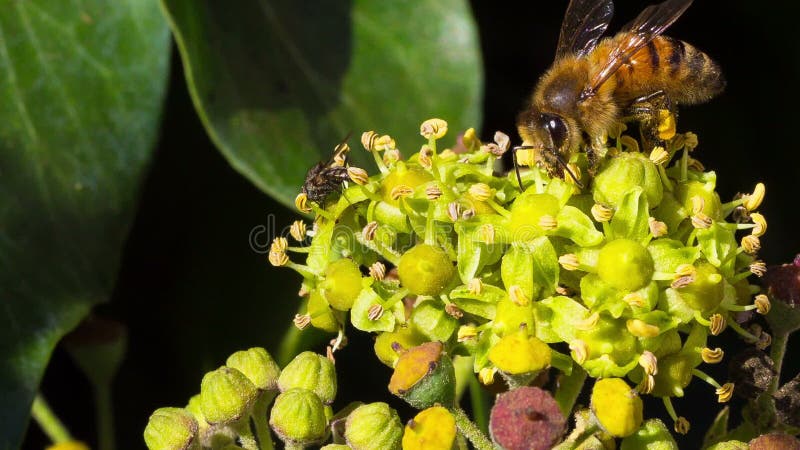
<point x="650" y="23"/>
<point x="339" y="157"/>
<point x="584" y="23"/>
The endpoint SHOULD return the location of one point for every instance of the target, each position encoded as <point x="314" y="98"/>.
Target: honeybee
<point x="595" y="83"/>
<point x="325" y="178"/>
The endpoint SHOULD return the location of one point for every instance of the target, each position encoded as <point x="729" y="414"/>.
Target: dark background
<point x="191" y="290"/>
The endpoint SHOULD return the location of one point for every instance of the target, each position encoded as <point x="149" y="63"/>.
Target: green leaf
<point x="575" y="225"/>
<point x="718" y="429"/>
<point x="630" y="220"/>
<point x="719" y="247"/>
<point x="81" y="87"/>
<point x="279" y="83"/>
<point x="483" y="304"/>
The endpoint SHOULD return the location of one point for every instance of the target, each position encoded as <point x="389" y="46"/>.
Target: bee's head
<point x="546" y="131"/>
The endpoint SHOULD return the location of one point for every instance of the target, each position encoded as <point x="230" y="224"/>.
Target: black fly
<point x="325" y="178"/>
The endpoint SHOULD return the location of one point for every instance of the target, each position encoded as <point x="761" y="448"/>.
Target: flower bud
<point x="526" y="418"/>
<point x="425" y="270"/>
<point x="335" y="447"/>
<point x="617" y="407"/>
<point x="170" y="429"/>
<point x="625" y="265"/>
<point x="258" y="366"/>
<point x="431" y="320"/>
<point x="527" y="212"/>
<point x="298" y="417"/>
<point x="373" y="426"/>
<point x="432" y="429"/>
<point x="342" y="283"/>
<point x="518" y="354"/>
<point x="706" y="291"/>
<point x="311" y="371"/>
<point x="226" y="395"/>
<point x="620" y="174"/>
<point x="424" y="376"/>
<point x="653" y="435"/>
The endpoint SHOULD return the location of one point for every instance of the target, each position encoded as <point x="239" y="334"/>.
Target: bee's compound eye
<point x="557" y="128"/>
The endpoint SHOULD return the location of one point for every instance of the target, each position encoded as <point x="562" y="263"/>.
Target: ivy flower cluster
<point x="623" y="272"/>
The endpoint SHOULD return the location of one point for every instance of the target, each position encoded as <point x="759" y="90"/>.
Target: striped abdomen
<point x="685" y="73"/>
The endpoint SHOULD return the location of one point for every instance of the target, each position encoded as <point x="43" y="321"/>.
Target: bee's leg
<point x="646" y="111"/>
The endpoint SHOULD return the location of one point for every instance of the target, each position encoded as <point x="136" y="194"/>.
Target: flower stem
<point x="470" y="430"/>
<point x="480" y="406"/>
<point x="104" y="416"/>
<point x="260" y="420"/>
<point x="48" y="421"/>
<point x="776" y="353"/>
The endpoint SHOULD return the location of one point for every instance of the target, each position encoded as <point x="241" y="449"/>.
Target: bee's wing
<point x="584" y="23"/>
<point x="640" y="32"/>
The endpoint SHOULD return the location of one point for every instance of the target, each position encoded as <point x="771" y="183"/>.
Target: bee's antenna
<point x="516" y="163"/>
<point x="566" y="168"/>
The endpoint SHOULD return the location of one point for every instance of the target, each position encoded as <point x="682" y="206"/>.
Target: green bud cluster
<point x="632" y="267"/>
<point x="239" y="394"/>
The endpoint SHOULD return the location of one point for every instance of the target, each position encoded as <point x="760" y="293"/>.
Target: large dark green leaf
<point x="278" y="83"/>
<point x="81" y="86"/>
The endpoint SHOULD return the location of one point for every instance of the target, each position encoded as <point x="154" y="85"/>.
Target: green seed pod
<point x="674" y="374"/>
<point x="258" y="366"/>
<point x="424" y="376"/>
<point x="527" y="212"/>
<point x="429" y="319"/>
<point x="311" y="371"/>
<point x="624" y="172"/>
<point x="706" y="291"/>
<point x="385" y="342"/>
<point x="612" y="350"/>
<point x="342" y="284"/>
<point x="170" y="429"/>
<point x="625" y="265"/>
<point x="510" y="317"/>
<point x="372" y="427"/>
<point x="425" y="270"/>
<point x="617" y="407"/>
<point x="653" y="435"/>
<point x="298" y="417"/>
<point x="402" y="175"/>
<point x="226" y="395"/>
<point x="518" y="354"/>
